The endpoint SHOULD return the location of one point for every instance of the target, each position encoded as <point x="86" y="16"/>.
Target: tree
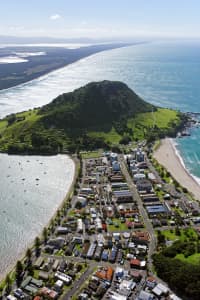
<point x="125" y="140"/>
<point x="18" y="273"/>
<point x="37" y="246"/>
<point x="45" y="235"/>
<point x="28" y="256"/>
<point x="11" y="119"/>
<point x="8" y="284"/>
<point x="78" y="205"/>
<point x="79" y="267"/>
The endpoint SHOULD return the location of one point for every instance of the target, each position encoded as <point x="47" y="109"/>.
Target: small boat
<point x="179" y="135"/>
<point x="185" y="133"/>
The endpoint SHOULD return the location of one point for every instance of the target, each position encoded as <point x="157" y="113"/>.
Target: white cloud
<point x="55" y="17"/>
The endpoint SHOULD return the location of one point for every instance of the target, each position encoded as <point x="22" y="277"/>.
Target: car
<point x="122" y="262"/>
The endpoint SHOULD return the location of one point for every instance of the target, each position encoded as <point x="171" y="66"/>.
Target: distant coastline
<point x="14" y="74"/>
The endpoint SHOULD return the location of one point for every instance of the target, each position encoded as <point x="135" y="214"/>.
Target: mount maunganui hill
<point x="100" y="114"/>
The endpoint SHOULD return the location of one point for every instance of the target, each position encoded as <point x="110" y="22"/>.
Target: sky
<point x="100" y="18"/>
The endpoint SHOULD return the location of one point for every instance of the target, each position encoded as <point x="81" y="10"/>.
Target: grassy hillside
<point x="99" y="114"/>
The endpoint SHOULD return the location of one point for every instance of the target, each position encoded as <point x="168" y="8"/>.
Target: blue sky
<point x="100" y="18"/>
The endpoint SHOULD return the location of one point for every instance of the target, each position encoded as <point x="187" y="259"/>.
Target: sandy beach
<point x="166" y="155"/>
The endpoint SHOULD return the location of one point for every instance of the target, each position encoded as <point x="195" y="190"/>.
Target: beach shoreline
<point x="167" y="155"/>
<point x="21" y="257"/>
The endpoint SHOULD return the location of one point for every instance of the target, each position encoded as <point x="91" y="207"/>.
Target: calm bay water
<point x="31" y="189"/>
<point x="165" y="74"/>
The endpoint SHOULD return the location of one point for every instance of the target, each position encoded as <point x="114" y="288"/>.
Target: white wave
<point x="12" y="60"/>
<point x="28" y="54"/>
<point x="178" y="154"/>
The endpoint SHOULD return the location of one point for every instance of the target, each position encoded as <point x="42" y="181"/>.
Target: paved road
<point x="147" y="222"/>
<point x="78" y="283"/>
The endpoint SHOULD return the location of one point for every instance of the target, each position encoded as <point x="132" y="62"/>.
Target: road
<point x="78" y="283"/>
<point x="143" y="213"/>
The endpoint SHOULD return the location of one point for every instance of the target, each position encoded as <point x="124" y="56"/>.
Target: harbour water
<point x="165" y="74"/>
<point x="31" y="189"/>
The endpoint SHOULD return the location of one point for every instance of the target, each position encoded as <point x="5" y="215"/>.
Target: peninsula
<point x="98" y="115"/>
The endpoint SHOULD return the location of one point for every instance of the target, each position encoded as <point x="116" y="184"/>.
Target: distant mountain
<point x="37" y="40"/>
<point x="53" y="40"/>
<point x="92" y="116"/>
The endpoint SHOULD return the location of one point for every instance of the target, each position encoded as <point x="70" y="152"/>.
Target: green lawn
<point x="192" y="259"/>
<point x="117" y="226"/>
<point x="112" y="136"/>
<point x="91" y="154"/>
<point x="162" y="118"/>
<point x="185" y="233"/>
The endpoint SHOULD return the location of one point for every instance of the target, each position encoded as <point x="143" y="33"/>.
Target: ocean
<point x="166" y="74"/>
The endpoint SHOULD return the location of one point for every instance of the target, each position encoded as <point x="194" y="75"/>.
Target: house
<point x="58" y="286"/>
<point x="138" y="176"/>
<point x="151" y="282"/>
<point x="141" y="237"/>
<point x="143" y="295"/>
<point x="80" y="225"/>
<point x="144" y="185"/>
<point x="135" y="263"/>
<point x="140" y="156"/>
<point x="115" y="166"/>
<point x="160" y="290"/>
<point x="105" y="273"/>
<point x="123" y="196"/>
<point x="39" y="262"/>
<point x="157" y="209"/>
<point x="63" y="277"/>
<point x="126" y="286"/>
<point x="83" y="296"/>
<point x="116" y="296"/>
<point x="62" y="230"/>
<point x="136" y="275"/>
<point x="57" y="243"/>
<point x="174" y="297"/>
<point x="43" y="275"/>
<point x="152" y="177"/>
<point x="48" y="293"/>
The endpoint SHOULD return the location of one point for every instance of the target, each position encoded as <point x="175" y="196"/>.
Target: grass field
<point x="117" y="226"/>
<point x="162" y="118"/>
<point x="112" y="136"/>
<point x="184" y="234"/>
<point x="91" y="154"/>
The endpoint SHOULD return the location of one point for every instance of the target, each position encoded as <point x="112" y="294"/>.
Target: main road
<point x="143" y="213"/>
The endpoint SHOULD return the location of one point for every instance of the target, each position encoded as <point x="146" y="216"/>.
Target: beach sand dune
<point x="166" y="155"/>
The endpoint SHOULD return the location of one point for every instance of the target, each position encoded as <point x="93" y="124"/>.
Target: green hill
<point x="97" y="115"/>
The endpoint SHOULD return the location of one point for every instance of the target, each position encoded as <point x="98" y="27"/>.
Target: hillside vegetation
<point x="179" y="264"/>
<point x="99" y="114"/>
